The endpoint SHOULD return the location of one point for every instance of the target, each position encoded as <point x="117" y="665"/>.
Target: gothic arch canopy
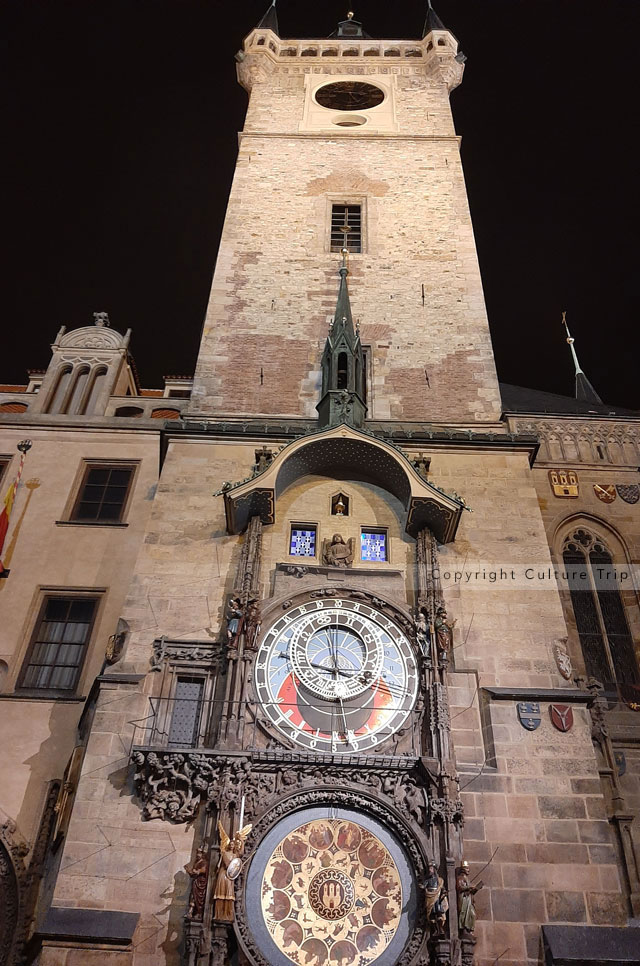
<point x="343" y="453"/>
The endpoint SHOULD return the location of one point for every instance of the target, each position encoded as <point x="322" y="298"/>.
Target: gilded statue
<point x="229" y="866"/>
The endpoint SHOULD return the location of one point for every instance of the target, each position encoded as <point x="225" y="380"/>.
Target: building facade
<point x="301" y="635"/>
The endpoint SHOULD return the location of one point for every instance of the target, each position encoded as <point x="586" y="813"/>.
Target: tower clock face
<point x="349" y="96"/>
<point x="336" y="675"/>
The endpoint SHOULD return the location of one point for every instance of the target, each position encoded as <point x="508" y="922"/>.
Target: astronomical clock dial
<point x="336" y="675"/>
<point x="330" y="889"/>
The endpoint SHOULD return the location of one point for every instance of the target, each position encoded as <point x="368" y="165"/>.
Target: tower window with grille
<point x="601" y="620"/>
<point x="346" y="216"/>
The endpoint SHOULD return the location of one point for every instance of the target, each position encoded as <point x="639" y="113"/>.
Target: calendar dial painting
<point x="331" y="894"/>
<point x="336" y="676"/>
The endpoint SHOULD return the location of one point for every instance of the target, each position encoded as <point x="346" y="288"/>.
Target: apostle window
<point x="601" y="621"/>
<point x="373" y="545"/>
<point x="103" y="493"/>
<point x="59" y="644"/>
<point x="303" y="541"/>
<point x="346" y="228"/>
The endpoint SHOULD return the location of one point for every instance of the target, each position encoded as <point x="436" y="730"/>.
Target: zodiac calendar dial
<point x="331" y="894"/>
<point x="336" y="675"/>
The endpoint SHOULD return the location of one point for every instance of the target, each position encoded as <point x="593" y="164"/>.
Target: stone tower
<point x="319" y="703"/>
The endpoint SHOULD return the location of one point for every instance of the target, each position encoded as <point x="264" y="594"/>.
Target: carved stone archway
<point x="344" y="453"/>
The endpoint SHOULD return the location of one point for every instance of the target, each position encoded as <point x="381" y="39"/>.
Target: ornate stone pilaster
<point x="467" y="946"/>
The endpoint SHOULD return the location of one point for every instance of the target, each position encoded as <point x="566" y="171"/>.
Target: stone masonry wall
<point x="275" y="283"/>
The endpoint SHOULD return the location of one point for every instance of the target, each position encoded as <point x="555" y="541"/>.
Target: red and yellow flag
<point x="7" y="506"/>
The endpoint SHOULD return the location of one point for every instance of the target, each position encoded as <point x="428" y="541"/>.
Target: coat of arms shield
<point x="629" y="492"/>
<point x="561" y="716"/>
<point x="529" y="714"/>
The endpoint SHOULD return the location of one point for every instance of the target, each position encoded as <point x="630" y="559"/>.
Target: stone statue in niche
<point x="199" y="873"/>
<point x="437" y="902"/>
<point x="422" y="634"/>
<point x="444" y="632"/>
<point x="336" y="552"/>
<point x="254" y="620"/>
<point x="229" y="867"/>
<point x="234" y="616"/>
<point x="466" y="908"/>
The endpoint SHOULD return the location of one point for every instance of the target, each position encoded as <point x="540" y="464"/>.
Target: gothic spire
<point x="584" y="389"/>
<point x="342" y="319"/>
<point x="433" y="21"/>
<point x="343" y="373"/>
<point x="270" y="19"/>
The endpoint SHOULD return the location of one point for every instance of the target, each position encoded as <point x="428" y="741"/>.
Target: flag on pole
<point x="7" y="504"/>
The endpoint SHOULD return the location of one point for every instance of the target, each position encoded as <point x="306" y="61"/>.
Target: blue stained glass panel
<point x="303" y="543"/>
<point x="373" y="545"/>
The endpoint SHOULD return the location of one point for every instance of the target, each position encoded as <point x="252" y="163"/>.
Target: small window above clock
<point x="373" y="545"/>
<point x="302" y="542"/>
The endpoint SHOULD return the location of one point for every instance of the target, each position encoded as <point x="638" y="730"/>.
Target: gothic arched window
<point x="601" y="621"/>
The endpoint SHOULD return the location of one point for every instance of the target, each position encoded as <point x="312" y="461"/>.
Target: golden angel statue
<point x="231" y="851"/>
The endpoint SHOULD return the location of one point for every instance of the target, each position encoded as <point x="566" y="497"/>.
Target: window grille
<point x="103" y="493"/>
<point x="59" y="644"/>
<point x="350" y="216"/>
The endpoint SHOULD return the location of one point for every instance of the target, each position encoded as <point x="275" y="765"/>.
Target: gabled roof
<point x="519" y="399"/>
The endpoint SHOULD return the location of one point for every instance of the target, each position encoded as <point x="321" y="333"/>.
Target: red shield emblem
<point x="561" y="716"/>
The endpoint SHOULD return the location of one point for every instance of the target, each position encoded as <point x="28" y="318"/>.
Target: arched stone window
<point x="81" y="378"/>
<point x="98" y="380"/>
<point x="598" y="607"/>
<point x="59" y="394"/>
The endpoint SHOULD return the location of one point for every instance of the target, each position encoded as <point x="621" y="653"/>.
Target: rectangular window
<point x="103" y="493"/>
<point x="4" y="463"/>
<point x="373" y="545"/>
<point x="187" y="711"/>
<point x="59" y="644"/>
<point x="349" y="216"/>
<point x="302" y="542"/>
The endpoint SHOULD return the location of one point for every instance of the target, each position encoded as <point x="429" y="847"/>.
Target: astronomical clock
<point x="336" y="676"/>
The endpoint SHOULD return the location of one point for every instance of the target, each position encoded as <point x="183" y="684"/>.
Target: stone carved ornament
<point x="13" y="892"/>
<point x="172" y="786"/>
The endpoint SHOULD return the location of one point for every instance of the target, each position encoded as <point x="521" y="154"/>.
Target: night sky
<point x="120" y="123"/>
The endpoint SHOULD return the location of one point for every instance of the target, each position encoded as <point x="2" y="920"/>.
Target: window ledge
<point x="31" y="696"/>
<point x="90" y="523"/>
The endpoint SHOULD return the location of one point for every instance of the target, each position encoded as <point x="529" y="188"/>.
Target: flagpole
<point x="23" y="446"/>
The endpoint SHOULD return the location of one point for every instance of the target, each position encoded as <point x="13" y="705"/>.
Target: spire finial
<point x="584" y="389"/>
<point x="270" y="19"/>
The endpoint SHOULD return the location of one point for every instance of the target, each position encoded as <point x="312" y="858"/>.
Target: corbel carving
<point x="14" y="885"/>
